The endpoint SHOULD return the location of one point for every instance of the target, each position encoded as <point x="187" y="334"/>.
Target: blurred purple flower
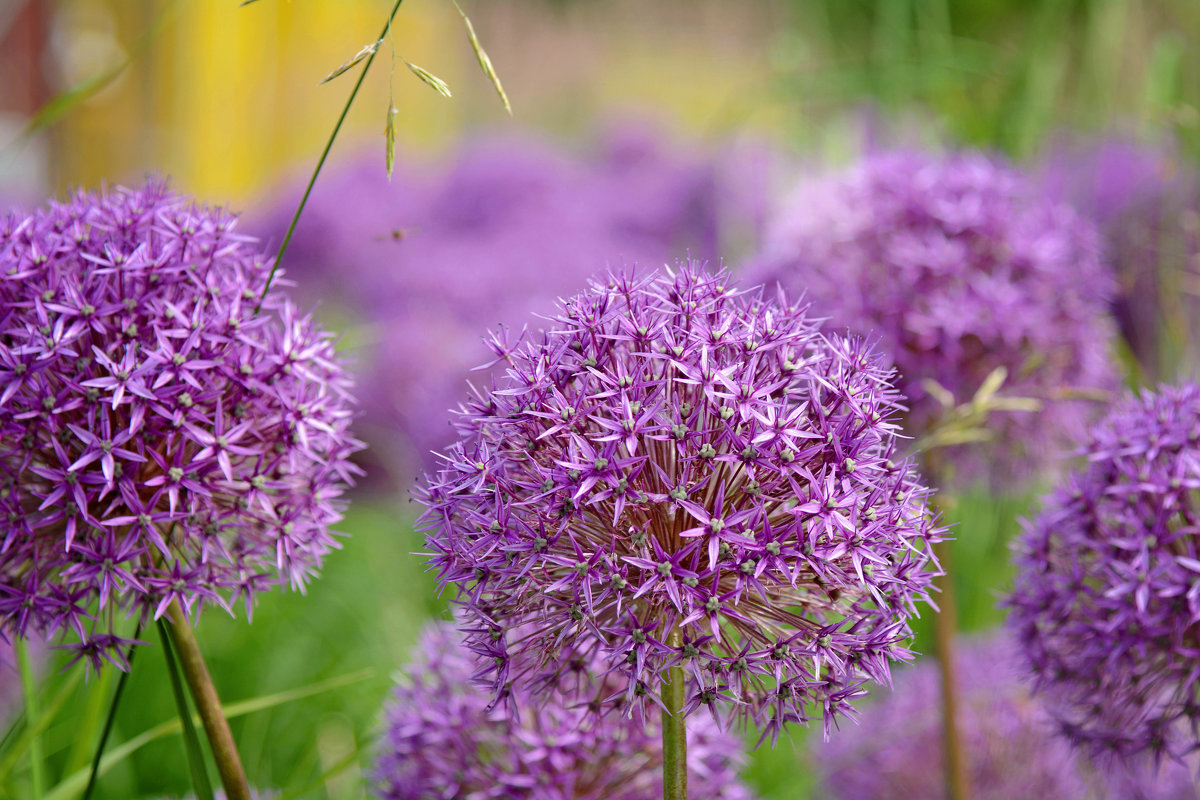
<point x="1106" y="603"/>
<point x="159" y="439"/>
<point x="673" y="457"/>
<point x="895" y="750"/>
<point x="1146" y="202"/>
<point x="960" y="268"/>
<point x="1170" y="781"/>
<point x="441" y="738"/>
<point x="509" y="226"/>
<point x="219" y="794"/>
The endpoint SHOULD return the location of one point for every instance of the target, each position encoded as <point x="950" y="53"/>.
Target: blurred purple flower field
<point x="422" y="265"/>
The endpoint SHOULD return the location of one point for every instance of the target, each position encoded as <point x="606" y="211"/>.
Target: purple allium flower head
<point x="159" y="438"/>
<point x="442" y="738"/>
<point x="895" y="750"/>
<point x="959" y="266"/>
<point x="1146" y="201"/>
<point x="1106" y="602"/>
<point x="676" y="472"/>
<point x="509" y="225"/>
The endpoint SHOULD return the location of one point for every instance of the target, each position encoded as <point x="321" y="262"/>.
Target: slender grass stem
<point x="208" y="705"/>
<point x="674" y="731"/>
<point x="110" y="720"/>
<point x="37" y="766"/>
<point x="287" y="237"/>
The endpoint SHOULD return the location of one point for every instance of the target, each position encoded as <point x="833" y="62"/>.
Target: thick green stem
<point x="945" y="627"/>
<point x="287" y="237"/>
<point x="208" y="705"/>
<point x="37" y="776"/>
<point x="674" y="730"/>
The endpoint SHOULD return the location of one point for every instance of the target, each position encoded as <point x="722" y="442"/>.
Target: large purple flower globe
<point x="679" y="473"/>
<point x="161" y="437"/>
<point x="442" y="738"/>
<point x="1106" y="603"/>
<point x="959" y="267"/>
<point x="895" y="749"/>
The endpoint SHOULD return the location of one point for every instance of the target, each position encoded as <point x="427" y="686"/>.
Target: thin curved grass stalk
<point x="287" y="237"/>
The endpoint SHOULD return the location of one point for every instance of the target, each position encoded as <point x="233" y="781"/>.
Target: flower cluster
<point x="959" y="267"/>
<point x="895" y="750"/>
<point x="431" y="258"/>
<point x="677" y="473"/>
<point x="1106" y="603"/>
<point x="1146" y="202"/>
<point x="161" y="438"/>
<point x="442" y="739"/>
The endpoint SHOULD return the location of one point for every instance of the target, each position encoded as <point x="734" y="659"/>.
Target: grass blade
<point x="110" y="719"/>
<point x="70" y="786"/>
<point x="337" y="769"/>
<point x="66" y="101"/>
<point x="37" y="766"/>
<point x="31" y="731"/>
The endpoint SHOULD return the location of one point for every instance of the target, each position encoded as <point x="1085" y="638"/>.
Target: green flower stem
<point x="287" y="237"/>
<point x="945" y="628"/>
<point x="191" y="742"/>
<point x="674" y="730"/>
<point x="37" y="774"/>
<point x="208" y="705"/>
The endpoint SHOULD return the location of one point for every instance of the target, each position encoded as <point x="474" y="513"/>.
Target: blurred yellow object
<point x="222" y="98"/>
<point x="226" y="96"/>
